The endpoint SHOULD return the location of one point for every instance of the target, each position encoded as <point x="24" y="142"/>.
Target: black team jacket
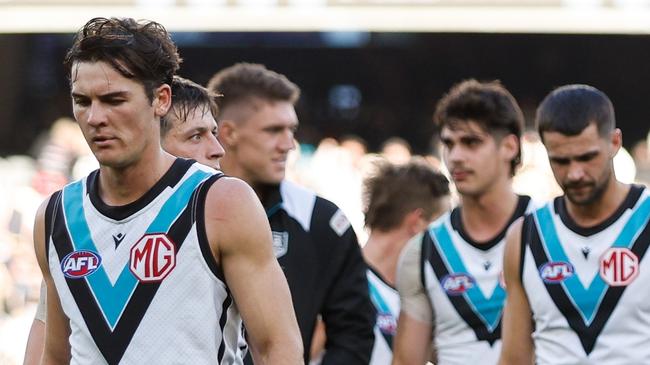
<point x="321" y="258"/>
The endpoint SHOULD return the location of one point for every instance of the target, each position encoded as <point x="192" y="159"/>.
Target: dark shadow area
<point x="375" y="85"/>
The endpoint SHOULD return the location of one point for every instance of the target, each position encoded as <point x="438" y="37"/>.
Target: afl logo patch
<point x="556" y="271"/>
<point x="78" y="264"/>
<point x="457" y="284"/>
<point x="386" y="323"/>
<point x="619" y="266"/>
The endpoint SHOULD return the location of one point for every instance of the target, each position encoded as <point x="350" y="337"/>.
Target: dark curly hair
<point x="142" y="50"/>
<point x="488" y="104"/>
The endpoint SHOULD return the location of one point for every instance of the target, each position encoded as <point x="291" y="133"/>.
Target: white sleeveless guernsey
<point x="588" y="288"/>
<point x="138" y="282"/>
<point x="463" y="280"/>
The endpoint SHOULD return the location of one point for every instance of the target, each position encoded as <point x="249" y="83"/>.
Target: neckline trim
<point x="119" y="212"/>
<point x="559" y="205"/>
<point x="457" y="225"/>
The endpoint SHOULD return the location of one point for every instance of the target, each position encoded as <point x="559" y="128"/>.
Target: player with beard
<point x="577" y="291"/>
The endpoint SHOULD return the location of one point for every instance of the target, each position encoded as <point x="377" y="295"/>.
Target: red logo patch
<point x="619" y="266"/>
<point x="153" y="257"/>
<point x="78" y="264"/>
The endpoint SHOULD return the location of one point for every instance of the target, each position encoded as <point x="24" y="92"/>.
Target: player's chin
<point x="115" y="159"/>
<point x="579" y="198"/>
<point x="465" y="188"/>
<point x="107" y="159"/>
<point x="275" y="177"/>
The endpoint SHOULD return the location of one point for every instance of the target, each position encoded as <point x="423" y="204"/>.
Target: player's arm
<point x="413" y="341"/>
<point x="517" y="347"/>
<point x="414" y="338"/>
<point x="36" y="339"/>
<point x="318" y="342"/>
<point x="57" y="327"/>
<point x="348" y="313"/>
<point x="240" y="237"/>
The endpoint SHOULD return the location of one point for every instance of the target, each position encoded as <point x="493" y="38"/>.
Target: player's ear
<point x="162" y="99"/>
<point x="510" y="146"/>
<point x="616" y="140"/>
<point x="416" y="221"/>
<point x="227" y="132"/>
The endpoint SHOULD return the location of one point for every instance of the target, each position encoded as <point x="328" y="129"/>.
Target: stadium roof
<point x="453" y="16"/>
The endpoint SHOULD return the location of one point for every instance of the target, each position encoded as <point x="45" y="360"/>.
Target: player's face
<point x="194" y="138"/>
<point x="114" y="113"/>
<point x="263" y="141"/>
<point x="582" y="164"/>
<point x="476" y="161"/>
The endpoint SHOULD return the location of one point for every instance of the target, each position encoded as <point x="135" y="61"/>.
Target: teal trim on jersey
<point x="488" y="309"/>
<point x="176" y="203"/>
<point x="587" y="300"/>
<point x="378" y="300"/>
<point x="273" y="209"/>
<point x="113" y="298"/>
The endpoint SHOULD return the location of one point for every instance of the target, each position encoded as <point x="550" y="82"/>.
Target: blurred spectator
<point x="25" y="182"/>
<point x="534" y="176"/>
<point x="56" y="159"/>
<point x="396" y="150"/>
<point x="624" y="166"/>
<point x="641" y="156"/>
<point x="355" y="148"/>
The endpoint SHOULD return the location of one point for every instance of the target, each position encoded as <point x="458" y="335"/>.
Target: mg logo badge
<point x="153" y="257"/>
<point x="619" y="266"/>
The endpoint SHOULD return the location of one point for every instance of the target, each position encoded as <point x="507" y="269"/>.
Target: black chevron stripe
<point x="113" y="344"/>
<point x="588" y="334"/>
<point x="459" y="302"/>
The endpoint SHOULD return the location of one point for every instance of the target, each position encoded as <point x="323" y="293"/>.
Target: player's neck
<point x="598" y="211"/>
<point x="382" y="251"/>
<point x="230" y="167"/>
<point x="121" y="186"/>
<point x="485" y="216"/>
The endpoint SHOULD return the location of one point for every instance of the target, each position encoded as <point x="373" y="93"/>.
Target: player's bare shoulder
<point x="513" y="247"/>
<point x="230" y="193"/>
<point x="39" y="234"/>
<point x="233" y="214"/>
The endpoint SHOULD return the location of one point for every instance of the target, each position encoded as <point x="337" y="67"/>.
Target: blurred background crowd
<point x="335" y="168"/>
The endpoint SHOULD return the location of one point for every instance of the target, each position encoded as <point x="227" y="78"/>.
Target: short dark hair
<point x="142" y="51"/>
<point x="570" y="109"/>
<point x="187" y="96"/>
<point x="489" y="104"/>
<point x="395" y="190"/>
<point x="243" y="81"/>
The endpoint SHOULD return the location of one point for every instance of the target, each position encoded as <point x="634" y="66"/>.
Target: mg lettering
<point x="153" y="257"/>
<point x="619" y="266"/>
